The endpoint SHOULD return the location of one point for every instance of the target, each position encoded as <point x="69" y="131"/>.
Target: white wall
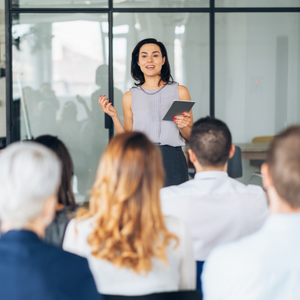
<point x="257" y="72"/>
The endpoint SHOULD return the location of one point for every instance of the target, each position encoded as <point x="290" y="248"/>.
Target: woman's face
<point x="151" y="60"/>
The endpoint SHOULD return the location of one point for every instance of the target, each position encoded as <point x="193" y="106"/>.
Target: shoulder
<point x="76" y="235"/>
<point x="176" y="191"/>
<point x="247" y="189"/>
<point x="127" y="96"/>
<point x="75" y="270"/>
<point x="176" y="226"/>
<point x="60" y="257"/>
<point x="238" y="253"/>
<point x="183" y="93"/>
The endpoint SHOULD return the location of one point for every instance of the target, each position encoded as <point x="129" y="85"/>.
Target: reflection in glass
<point x="186" y="37"/>
<point x="257" y="74"/>
<point x="59" y="72"/>
<point x="257" y="3"/>
<point x="161" y="3"/>
<point x="59" y="3"/>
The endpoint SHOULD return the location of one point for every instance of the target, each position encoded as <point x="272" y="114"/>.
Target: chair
<point x="235" y="169"/>
<point x="2" y="142"/>
<point x="178" y="295"/>
<point x="199" y="273"/>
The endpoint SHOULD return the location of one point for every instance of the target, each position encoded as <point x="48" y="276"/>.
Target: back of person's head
<point x="130" y="228"/>
<point x="29" y="175"/>
<point x="65" y="192"/>
<point x="284" y="165"/>
<point x="210" y="140"/>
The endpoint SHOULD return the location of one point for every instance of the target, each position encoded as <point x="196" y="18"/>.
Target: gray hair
<point x="29" y="174"/>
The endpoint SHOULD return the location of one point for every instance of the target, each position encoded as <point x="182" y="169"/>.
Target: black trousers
<point x="175" y="165"/>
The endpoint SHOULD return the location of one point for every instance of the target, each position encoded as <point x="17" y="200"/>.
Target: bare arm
<point x="184" y="122"/>
<point x="127" y="112"/>
<point x="111" y="111"/>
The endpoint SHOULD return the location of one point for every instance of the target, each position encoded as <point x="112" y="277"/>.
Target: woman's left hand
<point x="183" y="120"/>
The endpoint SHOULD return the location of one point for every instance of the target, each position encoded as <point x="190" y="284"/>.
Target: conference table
<point x="254" y="150"/>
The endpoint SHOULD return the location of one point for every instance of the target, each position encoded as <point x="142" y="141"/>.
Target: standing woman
<point x="146" y="103"/>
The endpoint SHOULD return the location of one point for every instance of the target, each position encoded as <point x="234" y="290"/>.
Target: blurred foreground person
<point x="131" y="248"/>
<point x="265" y="265"/>
<point x="30" y="269"/>
<point x="66" y="201"/>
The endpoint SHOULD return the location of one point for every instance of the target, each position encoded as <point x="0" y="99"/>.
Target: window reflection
<point x="59" y="71"/>
<point x="257" y="3"/>
<point x="59" y="3"/>
<point x="161" y="3"/>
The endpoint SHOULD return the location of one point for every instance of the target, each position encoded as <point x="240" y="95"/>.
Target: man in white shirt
<point x="217" y="208"/>
<point x="266" y="264"/>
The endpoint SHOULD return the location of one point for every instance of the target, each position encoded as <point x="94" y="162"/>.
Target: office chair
<point x="2" y="142"/>
<point x="178" y="295"/>
<point x="235" y="168"/>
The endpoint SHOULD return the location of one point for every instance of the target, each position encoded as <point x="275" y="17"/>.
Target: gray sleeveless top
<point x="148" y="111"/>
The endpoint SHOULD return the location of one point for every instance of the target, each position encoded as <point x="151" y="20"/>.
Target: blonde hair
<point x="129" y="229"/>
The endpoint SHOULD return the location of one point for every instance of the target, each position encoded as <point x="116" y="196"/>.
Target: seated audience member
<point x="265" y="265"/>
<point x="29" y="268"/>
<point x="66" y="201"/>
<point x="217" y="208"/>
<point x="131" y="248"/>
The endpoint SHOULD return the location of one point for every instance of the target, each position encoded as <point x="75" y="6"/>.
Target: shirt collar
<point x="211" y="175"/>
<point x="22" y="235"/>
<point x="284" y="220"/>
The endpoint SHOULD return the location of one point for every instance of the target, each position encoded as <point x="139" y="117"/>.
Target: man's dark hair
<point x="284" y="163"/>
<point x="211" y="141"/>
<point x="136" y="72"/>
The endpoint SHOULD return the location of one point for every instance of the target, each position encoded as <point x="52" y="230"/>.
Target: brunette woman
<point x="131" y="248"/>
<point x="146" y="103"/>
<point x="66" y="201"/>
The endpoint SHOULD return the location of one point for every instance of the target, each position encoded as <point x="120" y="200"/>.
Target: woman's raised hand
<point x="107" y="107"/>
<point x="183" y="121"/>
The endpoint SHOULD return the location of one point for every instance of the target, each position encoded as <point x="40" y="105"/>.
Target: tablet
<point x="177" y="108"/>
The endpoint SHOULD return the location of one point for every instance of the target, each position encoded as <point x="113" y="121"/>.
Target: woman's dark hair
<point x="136" y="72"/>
<point x="65" y="192"/>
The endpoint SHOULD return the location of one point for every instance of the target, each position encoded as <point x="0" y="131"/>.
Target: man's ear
<point x="266" y="176"/>
<point x="231" y="152"/>
<point x="192" y="156"/>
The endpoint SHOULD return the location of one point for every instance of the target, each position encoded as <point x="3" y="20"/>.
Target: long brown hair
<point x="129" y="228"/>
<point x="65" y="192"/>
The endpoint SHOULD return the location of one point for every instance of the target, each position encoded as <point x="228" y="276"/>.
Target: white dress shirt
<point x="217" y="209"/>
<point x="179" y="273"/>
<point x="262" y="266"/>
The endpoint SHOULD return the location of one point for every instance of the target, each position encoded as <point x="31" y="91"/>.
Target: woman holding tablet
<point x="146" y="103"/>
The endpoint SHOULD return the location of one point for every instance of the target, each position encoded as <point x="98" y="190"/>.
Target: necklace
<point x="154" y="92"/>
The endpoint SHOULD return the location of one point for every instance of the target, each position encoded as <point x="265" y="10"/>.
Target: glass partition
<point x="257" y="3"/>
<point x="59" y="3"/>
<point x="59" y="71"/>
<point x="160" y="3"/>
<point x="186" y="37"/>
<point x="257" y="77"/>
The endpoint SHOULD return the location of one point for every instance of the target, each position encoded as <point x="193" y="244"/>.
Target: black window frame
<point x="211" y="10"/>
